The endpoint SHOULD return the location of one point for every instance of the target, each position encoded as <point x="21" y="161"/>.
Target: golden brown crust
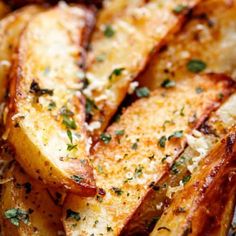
<point x="128" y="166"/>
<point x="123" y="26"/>
<point x="63" y="163"/>
<point x="205" y="196"/>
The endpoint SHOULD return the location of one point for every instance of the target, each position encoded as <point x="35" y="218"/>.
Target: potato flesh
<point x="215" y="128"/>
<point x="130" y="163"/>
<point x="210" y="39"/>
<point x="131" y="23"/>
<point x="43" y="50"/>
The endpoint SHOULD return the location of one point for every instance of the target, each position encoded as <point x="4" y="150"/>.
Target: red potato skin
<point x="140" y="220"/>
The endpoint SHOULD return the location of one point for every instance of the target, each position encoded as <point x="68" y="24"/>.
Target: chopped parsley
<point x="77" y="178"/>
<point x="69" y="134"/>
<point x="174" y="168"/>
<point x="162" y="141"/>
<point x="142" y="92"/>
<point x="120" y="132"/>
<point x="109" y="229"/>
<point x="196" y="65"/>
<point x="220" y="96"/>
<point x="51" y="105"/>
<point x="70" y="146"/>
<point x="176" y="134"/>
<point x="109" y="31"/>
<point x="134" y="146"/>
<point x="138" y="171"/>
<point x="101" y="58"/>
<point x="35" y="89"/>
<point x="69" y="122"/>
<point x="182" y="111"/>
<point x="117" y="191"/>
<point x="167" y="83"/>
<point x="116" y="72"/>
<point x="90" y="106"/>
<point x="186" y="179"/>
<point x="180" y="8"/>
<point x="15" y="215"/>
<point x="199" y="90"/>
<point x="73" y="215"/>
<point x="106" y="138"/>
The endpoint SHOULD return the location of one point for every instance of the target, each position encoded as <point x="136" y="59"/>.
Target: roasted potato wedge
<point x="126" y="34"/>
<point x="46" y="112"/>
<point x="26" y="206"/>
<point x="131" y="155"/>
<point x="10" y="30"/>
<point x="198" y="208"/>
<point x="4" y="9"/>
<point x="202" y="142"/>
<point x="208" y="38"/>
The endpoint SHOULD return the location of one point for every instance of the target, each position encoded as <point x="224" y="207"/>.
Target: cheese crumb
<point x="133" y="86"/>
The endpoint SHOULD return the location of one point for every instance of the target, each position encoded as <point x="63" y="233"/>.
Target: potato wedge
<point x="129" y="158"/>
<point x="200" y="144"/>
<point x="26" y="206"/>
<point x="118" y="52"/>
<point x="4" y="9"/>
<point x="208" y="37"/>
<point x="10" y="30"/>
<point x="198" y="208"/>
<point x="46" y="111"/>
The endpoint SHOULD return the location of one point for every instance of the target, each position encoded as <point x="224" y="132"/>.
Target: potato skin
<point x="19" y="3"/>
<point x="207" y="198"/>
<point x="11" y="28"/>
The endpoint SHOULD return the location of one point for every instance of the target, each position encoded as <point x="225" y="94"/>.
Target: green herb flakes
<point x="142" y="92"/>
<point x="90" y="106"/>
<point x="199" y="90"/>
<point x="167" y="83"/>
<point x="186" y="179"/>
<point x="180" y="8"/>
<point x="117" y="191"/>
<point x="72" y="215"/>
<point x="51" y="105"/>
<point x="69" y="122"/>
<point x="120" y="132"/>
<point x="36" y="90"/>
<point x="77" y="178"/>
<point x="138" y="171"/>
<point x="196" y="65"/>
<point x="162" y="141"/>
<point x="176" y="134"/>
<point x="106" y="138"/>
<point x="116" y="72"/>
<point x="15" y="215"/>
<point x="109" y="31"/>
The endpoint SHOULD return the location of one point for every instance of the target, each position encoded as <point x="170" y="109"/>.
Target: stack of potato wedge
<point x="118" y="117"/>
